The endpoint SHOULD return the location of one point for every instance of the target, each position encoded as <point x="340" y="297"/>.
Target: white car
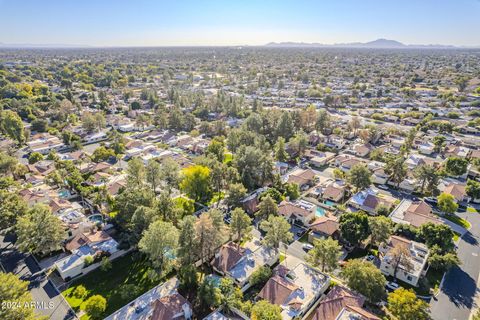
<point x="307" y="246"/>
<point x="370" y="258"/>
<point x="382" y="186"/>
<point x="392" y="286"/>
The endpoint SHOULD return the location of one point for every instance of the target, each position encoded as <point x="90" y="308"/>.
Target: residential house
<point x="92" y="244"/>
<point x="369" y="200"/>
<point x="457" y="190"/>
<point x="300" y="211"/>
<point x="239" y="263"/>
<point x="414" y="213"/>
<point x="304" y="178"/>
<point x="324" y="227"/>
<point x="342" y="303"/>
<point x="295" y="289"/>
<point x="318" y="158"/>
<point x="416" y="255"/>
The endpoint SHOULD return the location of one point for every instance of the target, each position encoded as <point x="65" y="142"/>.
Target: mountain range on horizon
<point x="378" y="43"/>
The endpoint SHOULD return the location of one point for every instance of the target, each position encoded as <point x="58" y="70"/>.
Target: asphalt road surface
<point x="457" y="296"/>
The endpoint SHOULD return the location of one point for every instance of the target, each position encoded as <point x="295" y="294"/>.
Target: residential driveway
<point x="457" y="296"/>
<point x="49" y="302"/>
<point x="295" y="249"/>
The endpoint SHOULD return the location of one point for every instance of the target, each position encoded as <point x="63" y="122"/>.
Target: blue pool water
<point x="320" y="212"/>
<point x="329" y="203"/>
<point x="96" y="218"/>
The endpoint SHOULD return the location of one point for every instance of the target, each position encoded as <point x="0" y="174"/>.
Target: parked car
<point x="431" y="200"/>
<point x="382" y="186"/>
<point x="307" y="246"/>
<point x="392" y="286"/>
<point x="370" y="258"/>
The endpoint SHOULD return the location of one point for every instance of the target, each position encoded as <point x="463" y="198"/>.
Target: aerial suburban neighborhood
<point x="289" y="180"/>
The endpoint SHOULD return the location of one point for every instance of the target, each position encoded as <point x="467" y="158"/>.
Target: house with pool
<point x="300" y="212"/>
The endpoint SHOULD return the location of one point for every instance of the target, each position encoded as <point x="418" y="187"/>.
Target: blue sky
<point x="240" y="22"/>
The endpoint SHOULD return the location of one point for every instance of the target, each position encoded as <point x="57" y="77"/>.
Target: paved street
<point x="457" y="296"/>
<point x="49" y="301"/>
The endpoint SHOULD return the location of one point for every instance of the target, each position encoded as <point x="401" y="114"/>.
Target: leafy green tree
<point x="39" y="231"/>
<point x="235" y="193"/>
<point x="187" y="278"/>
<point x="277" y="230"/>
<point x="473" y="189"/>
<point x="254" y="166"/>
<point x="260" y="276"/>
<point x="285" y="127"/>
<point x="437" y="234"/>
<point x="34" y="157"/>
<point x="280" y="152"/>
<point x="160" y="242"/>
<point x="405" y="305"/>
<point x="95" y="306"/>
<point x="208" y="294"/>
<point x="12" y="125"/>
<point x="359" y="176"/>
<point x="80" y="292"/>
<point x="323" y="121"/>
<point x="230" y="295"/>
<point x="354" y="227"/>
<point x="456" y="166"/>
<point x="106" y="264"/>
<point x="170" y="173"/>
<point x="264" y="310"/>
<point x="15" y="291"/>
<point x="446" y="203"/>
<point x="267" y="207"/>
<point x="397" y="169"/>
<point x="196" y="183"/>
<point x="129" y="200"/>
<point x="153" y="173"/>
<point x="439" y="260"/>
<point x="241" y="224"/>
<point x="292" y="191"/>
<point x="210" y="233"/>
<point x="381" y="229"/>
<point x="187" y="241"/>
<point x="12" y="206"/>
<point x="298" y="143"/>
<point x="325" y="254"/>
<point x="439" y="142"/>
<point x="7" y="164"/>
<point x="102" y="154"/>
<point x="136" y="173"/>
<point x="216" y="148"/>
<point x="364" y="277"/>
<point x="428" y="177"/>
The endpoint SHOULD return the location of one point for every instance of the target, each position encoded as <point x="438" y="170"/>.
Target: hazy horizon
<point x="146" y="23"/>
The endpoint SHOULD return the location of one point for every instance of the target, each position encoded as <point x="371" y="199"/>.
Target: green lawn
<point x="356" y="254"/>
<point x="125" y="270"/>
<point x="472" y="210"/>
<point x="431" y="281"/>
<point x="460" y="221"/>
<point x="456" y="236"/>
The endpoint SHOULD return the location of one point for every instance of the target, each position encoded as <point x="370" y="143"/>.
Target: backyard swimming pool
<point x="329" y="203"/>
<point x="320" y="212"/>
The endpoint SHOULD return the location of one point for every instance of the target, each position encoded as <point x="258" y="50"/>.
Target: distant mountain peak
<point x="380" y="43"/>
<point x="384" y="43"/>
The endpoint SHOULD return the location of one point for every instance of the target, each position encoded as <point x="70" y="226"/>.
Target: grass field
<point x="460" y="221"/>
<point x="109" y="284"/>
